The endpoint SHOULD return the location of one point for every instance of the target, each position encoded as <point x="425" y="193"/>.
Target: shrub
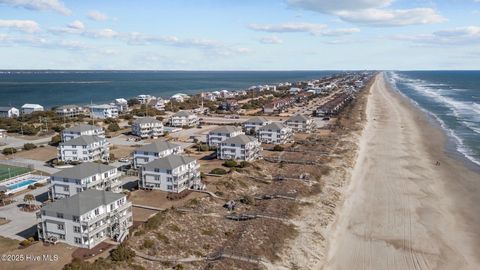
<point x="218" y="171"/>
<point x="148" y="243"/>
<point x="162" y="238"/>
<point x="25" y="243"/>
<point x="230" y="163"/>
<point x="55" y="141"/>
<point x="246" y="199"/>
<point x="113" y="127"/>
<point x="244" y="164"/>
<point x="9" y="151"/>
<point x="29" y="146"/>
<point x="154" y="222"/>
<point x="32" y="187"/>
<point x="277" y="148"/>
<point x="122" y="253"/>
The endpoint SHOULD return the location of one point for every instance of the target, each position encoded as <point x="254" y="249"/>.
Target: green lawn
<point x="7" y="171"/>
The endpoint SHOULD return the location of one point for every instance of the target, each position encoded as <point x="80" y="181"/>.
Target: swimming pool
<point x="26" y="182"/>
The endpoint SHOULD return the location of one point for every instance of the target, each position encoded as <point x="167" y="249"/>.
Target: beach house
<point x="103" y="111"/>
<point x="84" y="149"/>
<point x="30" y="108"/>
<point x="275" y="133"/>
<point x="240" y="147"/>
<point x="147" y="127"/>
<point x="173" y="173"/>
<point x="70" y="111"/>
<point x="88" y="175"/>
<point x="144" y="99"/>
<point x="300" y="123"/>
<point x="3" y="133"/>
<point x="82" y="129"/>
<point x="157" y="149"/>
<point x="86" y="219"/>
<point x="253" y="124"/>
<point x="220" y="134"/>
<point x="160" y="104"/>
<point x="121" y="104"/>
<point x="183" y="118"/>
<point x="9" y="112"/>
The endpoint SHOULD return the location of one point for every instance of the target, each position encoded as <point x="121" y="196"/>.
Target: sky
<point x="240" y="34"/>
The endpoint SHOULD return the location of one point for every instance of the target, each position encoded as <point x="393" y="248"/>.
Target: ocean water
<point x="451" y="97"/>
<point x="53" y="88"/>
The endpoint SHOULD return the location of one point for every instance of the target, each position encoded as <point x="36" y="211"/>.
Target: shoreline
<point x="406" y="218"/>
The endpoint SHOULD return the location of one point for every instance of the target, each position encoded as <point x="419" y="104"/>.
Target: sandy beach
<point x="402" y="209"/>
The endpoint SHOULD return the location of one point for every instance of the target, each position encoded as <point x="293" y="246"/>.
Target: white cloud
<point x="311" y="28"/>
<point x="455" y="36"/>
<point x="27" y="26"/>
<point x="271" y="40"/>
<point x="101" y="33"/>
<point x="340" y="32"/>
<point x="77" y="25"/>
<point x="53" y="5"/>
<point x="97" y="15"/>
<point x="370" y="12"/>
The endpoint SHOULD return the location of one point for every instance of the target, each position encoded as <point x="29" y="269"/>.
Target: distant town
<point x="169" y="180"/>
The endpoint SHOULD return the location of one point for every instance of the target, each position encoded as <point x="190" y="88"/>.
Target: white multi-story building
<point x="220" y="134"/>
<point x="240" y="147"/>
<point x="82" y="129"/>
<point x="70" y="111"/>
<point x="160" y="104"/>
<point x="86" y="219"/>
<point x="275" y="133"/>
<point x="147" y="127"/>
<point x="300" y="123"/>
<point x="88" y="175"/>
<point x="84" y="149"/>
<point x="145" y="99"/>
<point x="3" y="133"/>
<point x="9" y="112"/>
<point x="253" y="124"/>
<point x="155" y="150"/>
<point x="103" y="111"/>
<point x="173" y="173"/>
<point x="30" y="108"/>
<point x="121" y="104"/>
<point x="183" y="118"/>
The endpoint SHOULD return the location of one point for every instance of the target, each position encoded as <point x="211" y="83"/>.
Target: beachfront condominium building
<point x="253" y="124"/>
<point x="183" y="118"/>
<point x="82" y="129"/>
<point x="88" y="175"/>
<point x="275" y="133"/>
<point x="9" y="112"/>
<point x="30" y="108"/>
<point x="121" y="104"/>
<point x="220" y="134"/>
<point x="240" y="147"/>
<point x="86" y="219"/>
<point x="300" y="123"/>
<point x="160" y="104"/>
<point x="84" y="149"/>
<point x="157" y="149"/>
<point x="173" y="173"/>
<point x="145" y="99"/>
<point x="70" y="111"/>
<point x="147" y="127"/>
<point x="103" y="111"/>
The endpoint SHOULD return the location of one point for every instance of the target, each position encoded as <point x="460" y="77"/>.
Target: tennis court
<point x="7" y="171"/>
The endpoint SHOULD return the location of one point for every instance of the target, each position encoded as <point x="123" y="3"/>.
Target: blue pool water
<point x="21" y="184"/>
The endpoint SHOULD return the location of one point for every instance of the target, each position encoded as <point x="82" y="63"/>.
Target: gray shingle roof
<point x="183" y="114"/>
<point x="157" y="146"/>
<point x="146" y="120"/>
<point x="239" y="139"/>
<point x="83" y="140"/>
<point x="298" y="118"/>
<point x="169" y="162"/>
<point x="83" y="170"/>
<point x="83" y="202"/>
<point x="225" y="129"/>
<point x="81" y="128"/>
<point x="273" y="126"/>
<point x="258" y="119"/>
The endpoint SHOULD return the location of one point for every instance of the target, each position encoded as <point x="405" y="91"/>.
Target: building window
<point x="76" y="219"/>
<point x="78" y="240"/>
<point x="97" y="211"/>
<point x="76" y="229"/>
<point x="61" y="236"/>
<point x="157" y="178"/>
<point x="59" y="215"/>
<point x="157" y="170"/>
<point x="65" y="180"/>
<point x="169" y="171"/>
<point x="169" y="179"/>
<point x="79" y="190"/>
<point x="60" y="227"/>
<point x="169" y="187"/>
<point x="66" y="188"/>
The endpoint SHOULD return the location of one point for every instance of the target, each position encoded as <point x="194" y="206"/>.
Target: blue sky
<point x="240" y="34"/>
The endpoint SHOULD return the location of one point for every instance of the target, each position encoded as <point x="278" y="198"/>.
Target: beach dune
<point x="409" y="204"/>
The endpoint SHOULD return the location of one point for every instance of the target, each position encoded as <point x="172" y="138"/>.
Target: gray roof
<point x="225" y="129"/>
<point x="239" y="139"/>
<point x="298" y="118"/>
<point x="146" y="120"/>
<point x="83" y="170"/>
<point x="81" y="128"/>
<point x="183" y="114"/>
<point x="158" y="146"/>
<point x="83" y="140"/>
<point x="273" y="126"/>
<point x="5" y="109"/>
<point x="83" y="202"/>
<point x="169" y="162"/>
<point x="258" y="119"/>
<point x="69" y="107"/>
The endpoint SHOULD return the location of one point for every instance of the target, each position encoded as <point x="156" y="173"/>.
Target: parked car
<point x="124" y="160"/>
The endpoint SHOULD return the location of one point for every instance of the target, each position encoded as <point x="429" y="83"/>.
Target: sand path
<point x="402" y="211"/>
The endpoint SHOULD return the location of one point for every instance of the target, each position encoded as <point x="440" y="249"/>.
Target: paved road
<point x="19" y="142"/>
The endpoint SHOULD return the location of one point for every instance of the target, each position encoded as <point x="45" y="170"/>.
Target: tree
<point x="133" y="102"/>
<point x="113" y="127"/>
<point x="122" y="253"/>
<point x="29" y="146"/>
<point x="55" y="141"/>
<point x="9" y="151"/>
<point x="29" y="200"/>
<point x="277" y="148"/>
